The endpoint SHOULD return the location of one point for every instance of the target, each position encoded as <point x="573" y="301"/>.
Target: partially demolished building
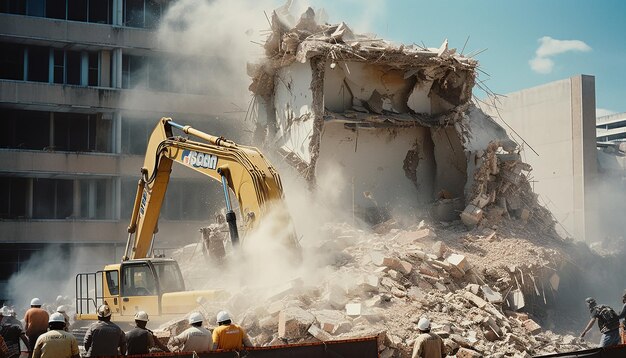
<point x="395" y="122"/>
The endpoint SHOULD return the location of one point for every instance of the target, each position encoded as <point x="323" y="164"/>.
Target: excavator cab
<point x="133" y="285"/>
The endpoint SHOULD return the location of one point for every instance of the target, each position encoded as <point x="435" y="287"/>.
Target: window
<point x="152" y="15"/>
<point x="55" y="9"/>
<point x="11" y="61"/>
<point x="77" y="10"/>
<point x="133" y="13"/>
<point x="100" y="11"/>
<point x="50" y="198"/>
<point x="35" y="7"/>
<point x="38" y="59"/>
<point x="94" y="199"/>
<point x="13" y="195"/>
<point x="134" y="71"/>
<point x="138" y="281"/>
<point x="112" y="278"/>
<point x="59" y="66"/>
<point x="170" y="279"/>
<point x="93" y="72"/>
<point x="72" y="67"/>
<point x="13" y="7"/>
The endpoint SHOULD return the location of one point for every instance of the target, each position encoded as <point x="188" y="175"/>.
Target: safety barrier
<point x="349" y="348"/>
<point x="610" y="352"/>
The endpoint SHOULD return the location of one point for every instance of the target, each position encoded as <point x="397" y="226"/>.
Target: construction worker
<point x="11" y="331"/>
<point x="140" y="339"/>
<point x="56" y="343"/>
<point x="35" y="322"/>
<point x="427" y="344"/>
<point x="229" y="335"/>
<point x="608" y="323"/>
<point x="104" y="338"/>
<point x="622" y="316"/>
<point x="195" y="338"/>
<point x="61" y="310"/>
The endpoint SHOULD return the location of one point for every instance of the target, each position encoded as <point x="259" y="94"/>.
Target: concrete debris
<point x="294" y="323"/>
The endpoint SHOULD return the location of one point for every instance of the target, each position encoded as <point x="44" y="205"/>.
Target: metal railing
<point x="88" y="292"/>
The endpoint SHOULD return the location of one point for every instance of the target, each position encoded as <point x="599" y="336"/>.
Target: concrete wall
<point x="171" y="233"/>
<point x="293" y="100"/>
<point x="372" y="159"/>
<point x="43" y="96"/>
<point x="73" y="34"/>
<point x="558" y="121"/>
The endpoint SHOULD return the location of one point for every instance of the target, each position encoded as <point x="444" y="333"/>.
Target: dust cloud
<point x="51" y="272"/>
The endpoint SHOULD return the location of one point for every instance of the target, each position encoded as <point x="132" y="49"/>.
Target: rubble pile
<point x="501" y="189"/>
<point x="382" y="282"/>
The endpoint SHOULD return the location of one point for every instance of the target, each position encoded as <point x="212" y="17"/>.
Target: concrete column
<point x="117" y="200"/>
<point x="105" y="68"/>
<point x="51" y="137"/>
<point x="116" y="68"/>
<point x="29" y="198"/>
<point x="51" y="66"/>
<point x="118" y="14"/>
<point x="117" y="133"/>
<point x="92" y="199"/>
<point x="84" y="68"/>
<point x="25" y="63"/>
<point x="76" y="199"/>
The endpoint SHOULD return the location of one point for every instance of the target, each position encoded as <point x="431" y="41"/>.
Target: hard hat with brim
<point x="104" y="311"/>
<point x="35" y="302"/>
<point x="141" y="316"/>
<point x="56" y="317"/>
<point x="5" y="311"/>
<point x="423" y="324"/>
<point x="195" y="318"/>
<point x="222" y="316"/>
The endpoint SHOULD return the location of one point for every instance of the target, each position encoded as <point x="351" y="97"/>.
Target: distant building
<point x="611" y="128"/>
<point x="73" y="134"/>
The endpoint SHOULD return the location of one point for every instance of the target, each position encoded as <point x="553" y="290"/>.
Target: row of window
<point x="93" y="199"/>
<point x="55" y="131"/>
<point x="135" y="13"/>
<point x="45" y="64"/>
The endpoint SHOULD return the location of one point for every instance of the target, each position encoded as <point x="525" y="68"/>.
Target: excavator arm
<point x="242" y="169"/>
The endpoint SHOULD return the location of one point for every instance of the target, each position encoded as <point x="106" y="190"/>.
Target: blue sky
<point x="510" y="31"/>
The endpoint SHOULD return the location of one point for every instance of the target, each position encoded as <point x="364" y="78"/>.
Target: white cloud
<point x="541" y="65"/>
<point x="548" y="47"/>
<point x="601" y="112"/>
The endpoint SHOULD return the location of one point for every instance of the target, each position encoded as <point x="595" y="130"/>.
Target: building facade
<point x="82" y="83"/>
<point x="611" y="128"/>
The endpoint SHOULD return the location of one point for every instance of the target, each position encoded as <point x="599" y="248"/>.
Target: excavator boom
<point x="242" y="169"/>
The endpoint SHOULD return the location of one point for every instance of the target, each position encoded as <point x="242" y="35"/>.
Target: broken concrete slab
<point x="531" y="326"/>
<point x="515" y="299"/>
<point x="353" y="309"/>
<point x="477" y="301"/>
<point x="459" y="262"/>
<point x="467" y="353"/>
<point x="439" y="249"/>
<point x="491" y="295"/>
<point x="398" y="265"/>
<point x="318" y="333"/>
<point x="294" y="322"/>
<point x="472" y="215"/>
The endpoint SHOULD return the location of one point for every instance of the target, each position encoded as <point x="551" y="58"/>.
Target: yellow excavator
<point x="155" y="285"/>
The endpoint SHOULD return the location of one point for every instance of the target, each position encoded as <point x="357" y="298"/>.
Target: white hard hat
<point x="61" y="309"/>
<point x="5" y="311"/>
<point x="423" y="324"/>
<point x="56" y="317"/>
<point x="104" y="311"/>
<point x="195" y="317"/>
<point x="141" y="316"/>
<point x="35" y="302"/>
<point x="223" y="316"/>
